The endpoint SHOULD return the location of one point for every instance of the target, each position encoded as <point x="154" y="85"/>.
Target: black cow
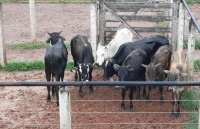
<point x="131" y="70"/>
<point x="149" y="45"/>
<point x="83" y="60"/>
<point x="55" y="62"/>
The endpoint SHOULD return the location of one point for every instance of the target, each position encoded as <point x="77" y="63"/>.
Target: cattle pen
<point x="27" y="108"/>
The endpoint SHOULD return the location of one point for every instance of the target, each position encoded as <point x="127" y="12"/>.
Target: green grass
<point x="28" y="66"/>
<point x="46" y="1"/>
<point x="192" y="1"/>
<point x="31" y="45"/>
<point x="191" y="106"/>
<point x="197" y="65"/>
<point x="197" y="43"/>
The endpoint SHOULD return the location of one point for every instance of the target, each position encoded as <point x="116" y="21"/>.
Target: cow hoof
<point x="172" y="116"/>
<point x="131" y="109"/>
<point x="122" y="108"/>
<point x="178" y="115"/>
<point x="80" y="95"/>
<point x="48" y="99"/>
<point x="91" y="90"/>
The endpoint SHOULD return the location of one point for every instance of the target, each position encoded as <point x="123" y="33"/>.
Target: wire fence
<point x="25" y="108"/>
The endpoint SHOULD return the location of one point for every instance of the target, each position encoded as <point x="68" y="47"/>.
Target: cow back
<point x="81" y="50"/>
<point x="163" y="56"/>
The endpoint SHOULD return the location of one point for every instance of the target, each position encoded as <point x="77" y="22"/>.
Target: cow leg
<point x="144" y="92"/>
<point x="48" y="77"/>
<point x="123" y="96"/>
<point x="173" y="104"/>
<point x="53" y="87"/>
<point x="161" y="94"/>
<point x="137" y="92"/>
<point x="76" y="76"/>
<point x="148" y="94"/>
<point x="57" y="91"/>
<point x="131" y="98"/>
<point x="178" y="102"/>
<point x="90" y="79"/>
<point x="80" y="92"/>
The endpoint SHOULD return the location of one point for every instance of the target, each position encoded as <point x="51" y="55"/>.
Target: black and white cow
<point x="131" y="70"/>
<point x="55" y="62"/>
<point x="149" y="45"/>
<point x="83" y="60"/>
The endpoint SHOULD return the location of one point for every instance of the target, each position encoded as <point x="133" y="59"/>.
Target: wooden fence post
<point x="180" y="26"/>
<point x="93" y="27"/>
<point x="32" y="19"/>
<point x="65" y="108"/>
<point x="101" y="21"/>
<point x="2" y="42"/>
<point x="191" y="49"/>
<point x="174" y="25"/>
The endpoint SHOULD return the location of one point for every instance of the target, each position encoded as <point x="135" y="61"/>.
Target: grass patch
<point x="191" y="106"/>
<point x="29" y="66"/>
<point x="197" y="65"/>
<point x="192" y="1"/>
<point x="185" y="43"/>
<point x="31" y="45"/>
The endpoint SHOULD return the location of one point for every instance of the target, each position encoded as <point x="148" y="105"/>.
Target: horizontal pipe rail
<point x="103" y="83"/>
<point x="191" y="15"/>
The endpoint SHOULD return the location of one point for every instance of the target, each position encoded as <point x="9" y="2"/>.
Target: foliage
<point x="30" y="45"/>
<point x="197" y="65"/>
<point x="192" y="1"/>
<point x="28" y="66"/>
<point x="190" y="105"/>
<point x="197" y="43"/>
<point x="194" y="119"/>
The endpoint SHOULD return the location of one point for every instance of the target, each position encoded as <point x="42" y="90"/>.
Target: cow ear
<point x="130" y="70"/>
<point x="63" y="39"/>
<point x="48" y="40"/>
<point x="184" y="74"/>
<point x="166" y="71"/>
<point x="74" y="69"/>
<point x="144" y="65"/>
<point x="116" y="67"/>
<point x="158" y="65"/>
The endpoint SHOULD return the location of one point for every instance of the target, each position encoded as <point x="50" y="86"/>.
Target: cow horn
<point x="59" y="32"/>
<point x="128" y="66"/>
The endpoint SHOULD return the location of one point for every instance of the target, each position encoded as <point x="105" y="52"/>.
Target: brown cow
<point x="178" y="72"/>
<point x="154" y="71"/>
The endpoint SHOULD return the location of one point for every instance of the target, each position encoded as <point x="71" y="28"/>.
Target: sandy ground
<point x="26" y="107"/>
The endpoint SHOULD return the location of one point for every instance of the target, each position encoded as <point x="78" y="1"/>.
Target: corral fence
<point x="65" y="112"/>
<point x="105" y="20"/>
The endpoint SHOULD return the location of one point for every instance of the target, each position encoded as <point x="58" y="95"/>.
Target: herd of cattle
<point x="148" y="59"/>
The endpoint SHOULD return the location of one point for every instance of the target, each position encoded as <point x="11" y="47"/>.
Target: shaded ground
<point x="26" y="107"/>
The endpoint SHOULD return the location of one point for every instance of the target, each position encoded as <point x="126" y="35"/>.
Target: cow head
<point x="53" y="39"/>
<point x="175" y="75"/>
<point x="101" y="54"/>
<point x="85" y="71"/>
<point x="108" y="67"/>
<point x="123" y="72"/>
<point x="150" y="71"/>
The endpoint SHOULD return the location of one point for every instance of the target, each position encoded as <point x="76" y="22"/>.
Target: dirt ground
<point x="26" y="107"/>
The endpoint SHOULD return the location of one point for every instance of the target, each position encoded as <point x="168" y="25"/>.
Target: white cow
<point x="123" y="36"/>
